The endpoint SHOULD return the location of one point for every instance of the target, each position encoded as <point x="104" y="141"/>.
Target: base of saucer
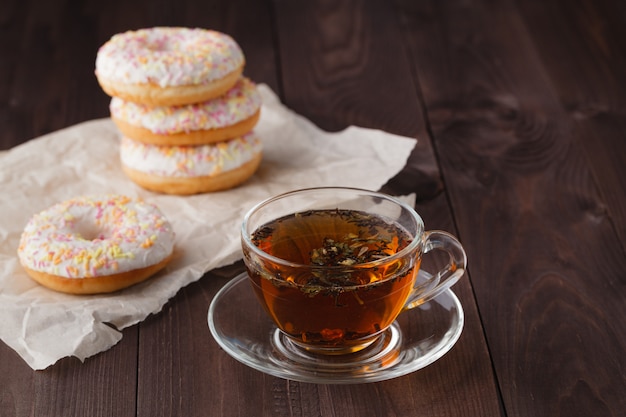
<point x="416" y="339"/>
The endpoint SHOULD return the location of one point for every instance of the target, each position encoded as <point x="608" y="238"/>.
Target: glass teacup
<point x="334" y="267"/>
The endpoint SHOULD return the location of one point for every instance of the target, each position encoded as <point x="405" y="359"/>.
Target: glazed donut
<point x="191" y="169"/>
<point x="91" y="244"/>
<point x="228" y="116"/>
<point x="166" y="66"/>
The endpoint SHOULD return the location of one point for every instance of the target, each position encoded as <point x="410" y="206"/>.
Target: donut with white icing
<point x="166" y="66"/>
<point x="231" y="115"/>
<point x="96" y="244"/>
<point x="187" y="170"/>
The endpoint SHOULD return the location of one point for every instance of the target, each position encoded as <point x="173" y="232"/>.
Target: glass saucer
<point x="416" y="339"/>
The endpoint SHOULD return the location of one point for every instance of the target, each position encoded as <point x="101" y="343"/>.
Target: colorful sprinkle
<point x="189" y="161"/>
<point x="239" y="103"/>
<point x="168" y="56"/>
<point x="95" y="236"/>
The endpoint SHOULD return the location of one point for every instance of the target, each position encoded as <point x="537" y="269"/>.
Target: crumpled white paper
<point x="43" y="326"/>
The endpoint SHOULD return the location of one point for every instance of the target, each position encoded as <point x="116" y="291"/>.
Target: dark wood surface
<point x="520" y="112"/>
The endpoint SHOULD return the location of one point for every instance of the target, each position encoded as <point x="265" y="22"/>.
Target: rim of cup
<point x="415" y="242"/>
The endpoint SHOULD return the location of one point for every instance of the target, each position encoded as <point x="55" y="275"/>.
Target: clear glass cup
<point x="333" y="267"/>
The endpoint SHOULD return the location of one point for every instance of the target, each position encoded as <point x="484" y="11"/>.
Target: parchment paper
<point x="43" y="326"/>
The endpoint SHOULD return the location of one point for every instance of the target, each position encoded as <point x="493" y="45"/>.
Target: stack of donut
<point x="184" y="108"/>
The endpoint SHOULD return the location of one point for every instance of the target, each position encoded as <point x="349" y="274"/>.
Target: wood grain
<point x="51" y="84"/>
<point x="584" y="56"/>
<point x="101" y="386"/>
<point x="518" y="111"/>
<point x="509" y="159"/>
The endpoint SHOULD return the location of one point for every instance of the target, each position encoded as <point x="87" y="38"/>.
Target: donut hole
<point x="88" y="230"/>
<point x="160" y="45"/>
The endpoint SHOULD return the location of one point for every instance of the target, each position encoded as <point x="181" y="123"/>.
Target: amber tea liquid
<point x="335" y="302"/>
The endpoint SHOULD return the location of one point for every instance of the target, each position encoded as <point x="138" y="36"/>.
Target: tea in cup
<point x="334" y="267"/>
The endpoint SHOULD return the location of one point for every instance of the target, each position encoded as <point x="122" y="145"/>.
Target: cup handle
<point x="446" y="276"/>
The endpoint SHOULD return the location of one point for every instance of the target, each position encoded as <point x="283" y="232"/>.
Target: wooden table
<point x="520" y="112"/>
